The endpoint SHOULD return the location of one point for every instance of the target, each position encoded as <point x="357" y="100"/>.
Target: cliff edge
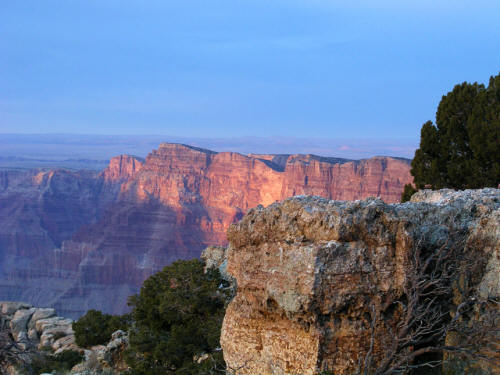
<point x="325" y="284"/>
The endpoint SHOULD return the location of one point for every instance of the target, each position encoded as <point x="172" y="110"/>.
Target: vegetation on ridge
<point x="177" y="321"/>
<point x="462" y="149"/>
<point x="95" y="328"/>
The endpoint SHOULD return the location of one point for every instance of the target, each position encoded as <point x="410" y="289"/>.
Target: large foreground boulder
<point x="320" y="282"/>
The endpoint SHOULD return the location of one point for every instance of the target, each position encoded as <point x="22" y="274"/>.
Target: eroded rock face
<point x="81" y="240"/>
<point x="122" y="167"/>
<point x="309" y="272"/>
<point x="36" y="328"/>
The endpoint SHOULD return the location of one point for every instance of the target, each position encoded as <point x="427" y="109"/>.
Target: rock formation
<point x="313" y="273"/>
<point x="81" y="240"/>
<point x="26" y="330"/>
<point x="39" y="331"/>
<point x="105" y="359"/>
<point x="37" y="327"/>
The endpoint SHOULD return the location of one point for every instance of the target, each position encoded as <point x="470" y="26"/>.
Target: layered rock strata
<point x="81" y="240"/>
<point x="34" y="327"/>
<point x="311" y="273"/>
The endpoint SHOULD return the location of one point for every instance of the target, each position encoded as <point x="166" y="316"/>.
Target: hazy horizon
<point x="301" y="68"/>
<point x="57" y="147"/>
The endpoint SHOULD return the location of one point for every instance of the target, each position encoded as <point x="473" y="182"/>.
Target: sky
<point x="313" y="69"/>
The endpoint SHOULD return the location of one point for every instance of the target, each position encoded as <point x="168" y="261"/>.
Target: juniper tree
<point x="462" y="149"/>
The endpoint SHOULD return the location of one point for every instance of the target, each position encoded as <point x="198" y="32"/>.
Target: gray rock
<point x="46" y="341"/>
<point x="44" y="324"/>
<point x="213" y="256"/>
<point x="41" y="313"/>
<point x="59" y="330"/>
<point x="19" y="324"/>
<point x="9" y="308"/>
<point x="63" y="342"/>
<point x="32" y="334"/>
<point x="216" y="257"/>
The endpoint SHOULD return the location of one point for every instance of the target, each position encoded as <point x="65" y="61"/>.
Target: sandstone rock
<point x="46" y="341"/>
<point x="21" y="327"/>
<point x="19" y="324"/>
<point x="52" y="329"/>
<point x="9" y="308"/>
<point x="63" y="343"/>
<point x="33" y="335"/>
<point x="215" y="257"/>
<point x="41" y="313"/>
<point x="122" y="167"/>
<point x="43" y="325"/>
<point x="309" y="270"/>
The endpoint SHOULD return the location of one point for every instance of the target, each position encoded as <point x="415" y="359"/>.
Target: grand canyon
<point x="76" y="240"/>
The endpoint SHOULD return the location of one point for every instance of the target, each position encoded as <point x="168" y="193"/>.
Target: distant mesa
<point x="77" y="240"/>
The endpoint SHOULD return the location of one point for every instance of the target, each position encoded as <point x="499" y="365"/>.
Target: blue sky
<point x="233" y="68"/>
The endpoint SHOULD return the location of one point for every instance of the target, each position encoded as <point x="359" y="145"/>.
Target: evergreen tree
<point x="408" y="191"/>
<point x="177" y="318"/>
<point x="95" y="328"/>
<point x="462" y="150"/>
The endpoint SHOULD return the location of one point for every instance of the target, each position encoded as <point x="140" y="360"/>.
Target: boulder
<point x="33" y="334"/>
<point x="63" y="342"/>
<point x="44" y="324"/>
<point x="9" y="308"/>
<point x="41" y="313"/>
<point x="19" y="324"/>
<point x="215" y="257"/>
<point x="313" y="273"/>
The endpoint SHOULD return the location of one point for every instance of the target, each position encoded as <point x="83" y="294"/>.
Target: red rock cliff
<point x="219" y="188"/>
<point x="122" y="168"/>
<point x="136" y="216"/>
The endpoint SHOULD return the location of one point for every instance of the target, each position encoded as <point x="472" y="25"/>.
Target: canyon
<point x="76" y="240"/>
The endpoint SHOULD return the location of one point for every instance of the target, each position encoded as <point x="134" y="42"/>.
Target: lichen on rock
<point x="311" y="274"/>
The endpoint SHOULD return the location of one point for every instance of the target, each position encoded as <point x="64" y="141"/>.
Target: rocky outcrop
<point x="105" y="359"/>
<point x="38" y="332"/>
<point x="122" y="167"/>
<point x="312" y="273"/>
<point x="81" y="240"/>
<point x="37" y="328"/>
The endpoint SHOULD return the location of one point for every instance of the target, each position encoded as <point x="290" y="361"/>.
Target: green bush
<point x="95" y="328"/>
<point x="55" y="364"/>
<point x="178" y="316"/>
<point x="408" y="191"/>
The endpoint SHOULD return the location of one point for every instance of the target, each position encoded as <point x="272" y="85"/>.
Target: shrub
<point x="95" y="328"/>
<point x="56" y="364"/>
<point x="408" y="191"/>
<point x="177" y="317"/>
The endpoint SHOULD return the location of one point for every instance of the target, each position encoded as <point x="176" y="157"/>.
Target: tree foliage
<point x="95" y="328"/>
<point x="408" y="191"/>
<point x="462" y="150"/>
<point x="55" y="364"/>
<point x="177" y="319"/>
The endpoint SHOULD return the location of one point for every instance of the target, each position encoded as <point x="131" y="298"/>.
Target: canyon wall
<point x="322" y="283"/>
<point x="80" y="240"/>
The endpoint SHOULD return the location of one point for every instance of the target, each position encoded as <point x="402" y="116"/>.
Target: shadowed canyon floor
<point x="81" y="240"/>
